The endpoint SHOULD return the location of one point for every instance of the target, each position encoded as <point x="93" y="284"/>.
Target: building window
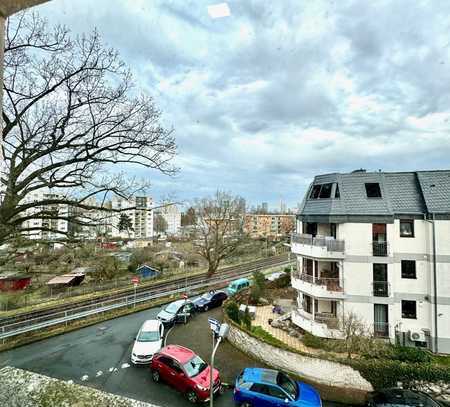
<point x="315" y="192"/>
<point x="409" y="309"/>
<point x="406" y="228"/>
<point x="373" y="190"/>
<point x="408" y="269"/>
<point x="325" y="191"/>
<point x="337" y="194"/>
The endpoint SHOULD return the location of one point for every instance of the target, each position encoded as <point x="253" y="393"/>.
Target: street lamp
<point x="223" y="333"/>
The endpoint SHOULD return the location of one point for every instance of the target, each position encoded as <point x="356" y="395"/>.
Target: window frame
<point x="410" y="222"/>
<point x="402" y="262"/>
<point x="328" y="185"/>
<point x="368" y="185"/>
<point x="409" y="316"/>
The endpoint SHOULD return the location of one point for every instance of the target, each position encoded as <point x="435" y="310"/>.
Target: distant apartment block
<point x="268" y="225"/>
<point x="172" y="215"/>
<point x="39" y="226"/>
<point x="376" y="245"/>
<point x="140" y="213"/>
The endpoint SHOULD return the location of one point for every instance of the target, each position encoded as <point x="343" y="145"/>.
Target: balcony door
<point x="380" y="280"/>
<point x="311" y="229"/>
<point x="381" y="320"/>
<point x="379" y="239"/>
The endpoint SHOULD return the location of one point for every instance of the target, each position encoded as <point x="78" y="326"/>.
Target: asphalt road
<point x="99" y="356"/>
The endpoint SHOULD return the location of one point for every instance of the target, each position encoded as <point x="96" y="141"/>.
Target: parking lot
<point x="99" y="356"/>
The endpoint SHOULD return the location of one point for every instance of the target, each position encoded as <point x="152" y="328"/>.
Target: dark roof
<point x="402" y="193"/>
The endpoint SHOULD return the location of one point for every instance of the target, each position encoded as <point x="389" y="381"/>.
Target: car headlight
<point x="202" y="388"/>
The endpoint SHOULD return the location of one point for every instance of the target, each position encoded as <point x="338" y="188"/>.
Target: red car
<point x="185" y="371"/>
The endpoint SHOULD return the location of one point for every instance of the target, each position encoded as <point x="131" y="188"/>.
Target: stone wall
<point x="26" y="389"/>
<point x="343" y="379"/>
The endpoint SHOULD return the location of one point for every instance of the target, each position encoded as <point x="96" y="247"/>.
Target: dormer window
<point x="373" y="190"/>
<point x="322" y="191"/>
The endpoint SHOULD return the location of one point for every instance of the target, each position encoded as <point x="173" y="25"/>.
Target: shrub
<point x="400" y="353"/>
<point x="312" y="341"/>
<point x="258" y="287"/>
<point x="232" y="310"/>
<point x="246" y="320"/>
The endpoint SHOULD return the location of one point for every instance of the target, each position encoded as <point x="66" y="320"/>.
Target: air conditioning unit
<point x="417" y="336"/>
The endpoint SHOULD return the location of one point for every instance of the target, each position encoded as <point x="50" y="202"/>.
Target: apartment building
<point x="269" y="225"/>
<point x="172" y="216"/>
<point x="376" y="245"/>
<point x="140" y="213"/>
<point x="39" y="227"/>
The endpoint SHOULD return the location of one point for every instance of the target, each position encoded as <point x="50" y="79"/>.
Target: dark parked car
<point x="256" y="387"/>
<point x="177" y="311"/>
<point x="401" y="397"/>
<point x="210" y="300"/>
<point x="182" y="369"/>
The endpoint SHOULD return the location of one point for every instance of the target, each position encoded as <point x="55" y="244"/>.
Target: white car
<point x="148" y="341"/>
<point x="275" y="276"/>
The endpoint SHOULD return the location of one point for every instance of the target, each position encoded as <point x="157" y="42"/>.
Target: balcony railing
<point x="329" y="242"/>
<point x="380" y="249"/>
<point x="381" y="329"/>
<point x="381" y="289"/>
<point x="332" y="284"/>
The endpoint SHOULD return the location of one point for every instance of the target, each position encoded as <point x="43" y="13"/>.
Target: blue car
<point x="257" y="387"/>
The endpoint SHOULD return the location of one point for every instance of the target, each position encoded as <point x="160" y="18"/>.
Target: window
<point x="406" y="228"/>
<point x="337" y="194"/>
<point x="274" y="392"/>
<point x="258" y="388"/>
<point x="325" y="191"/>
<point x="408" y="269"/>
<point x="165" y="360"/>
<point x="409" y="309"/>
<point x="373" y="190"/>
<point x="315" y="192"/>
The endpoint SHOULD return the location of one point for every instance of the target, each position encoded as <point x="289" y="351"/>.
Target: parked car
<point x="401" y="397"/>
<point x="177" y="311"/>
<point x="238" y="285"/>
<point x="182" y="369"/>
<point x="275" y="276"/>
<point x="210" y="300"/>
<point x="266" y="388"/>
<point x="148" y="341"/>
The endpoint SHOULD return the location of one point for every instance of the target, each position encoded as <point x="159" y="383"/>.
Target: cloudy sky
<point x="279" y="91"/>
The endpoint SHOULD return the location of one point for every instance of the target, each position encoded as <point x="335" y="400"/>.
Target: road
<point x="99" y="356"/>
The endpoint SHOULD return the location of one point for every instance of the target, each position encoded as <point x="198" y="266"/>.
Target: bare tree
<point x="219" y="224"/>
<point x="356" y="334"/>
<point x="72" y="117"/>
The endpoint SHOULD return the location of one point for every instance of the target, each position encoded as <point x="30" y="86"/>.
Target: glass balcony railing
<point x="381" y="289"/>
<point x="331" y="244"/>
<point x="380" y="249"/>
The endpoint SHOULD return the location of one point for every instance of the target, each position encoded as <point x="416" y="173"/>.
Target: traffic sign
<point x="135" y="280"/>
<point x="214" y="324"/>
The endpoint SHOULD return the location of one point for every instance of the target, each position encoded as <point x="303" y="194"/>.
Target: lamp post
<point x="223" y="333"/>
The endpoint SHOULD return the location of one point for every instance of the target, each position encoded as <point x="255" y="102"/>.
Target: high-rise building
<point x="172" y="216"/>
<point x="139" y="209"/>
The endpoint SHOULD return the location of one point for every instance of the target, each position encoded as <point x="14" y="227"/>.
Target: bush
<point x="312" y="341"/>
<point x="383" y="373"/>
<point x="232" y="310"/>
<point x="258" y="287"/>
<point x="246" y="320"/>
<point x="400" y="353"/>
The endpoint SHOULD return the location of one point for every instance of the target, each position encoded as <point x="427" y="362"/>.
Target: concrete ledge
<point x="335" y="381"/>
<point x="26" y="389"/>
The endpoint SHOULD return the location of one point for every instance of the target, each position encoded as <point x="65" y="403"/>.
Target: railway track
<point x="224" y="276"/>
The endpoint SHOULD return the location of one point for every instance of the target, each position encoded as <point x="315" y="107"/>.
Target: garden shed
<point x="14" y="281"/>
<point x="146" y="271"/>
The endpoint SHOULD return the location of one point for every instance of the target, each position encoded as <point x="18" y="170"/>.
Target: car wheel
<point x="192" y="397"/>
<point x="155" y="376"/>
<point x="205" y="308"/>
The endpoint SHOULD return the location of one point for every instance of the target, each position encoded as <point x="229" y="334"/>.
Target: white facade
<point x="55" y="225"/>
<point x="140" y="214"/>
<point x="172" y="216"/>
<point x="380" y="267"/>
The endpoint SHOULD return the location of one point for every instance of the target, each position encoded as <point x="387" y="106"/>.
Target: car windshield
<point x="289" y="386"/>
<point x="148" y="336"/>
<point x="207" y="296"/>
<point x="172" y="308"/>
<point x="195" y="366"/>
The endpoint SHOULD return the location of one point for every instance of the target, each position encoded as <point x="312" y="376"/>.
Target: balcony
<point x="318" y="246"/>
<point x="317" y="287"/>
<point x="380" y="249"/>
<point x="381" y="289"/>
<point x="321" y="324"/>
